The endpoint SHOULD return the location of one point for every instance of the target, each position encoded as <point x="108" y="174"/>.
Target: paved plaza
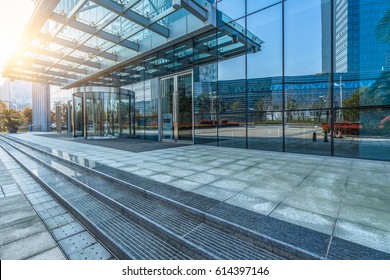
<point x="341" y="197"/>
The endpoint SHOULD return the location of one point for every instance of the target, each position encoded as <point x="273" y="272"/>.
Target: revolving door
<point x="103" y="112"/>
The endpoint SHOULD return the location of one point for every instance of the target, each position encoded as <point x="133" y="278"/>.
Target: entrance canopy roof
<point x="71" y="43"/>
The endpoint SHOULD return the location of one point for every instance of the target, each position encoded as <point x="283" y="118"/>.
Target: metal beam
<point x="58" y="66"/>
<point x="66" y="57"/>
<point x="191" y="6"/>
<point x="42" y="77"/>
<point x="34" y="80"/>
<point x="75" y="10"/>
<point x="94" y="31"/>
<point x="133" y="16"/>
<point x="77" y="46"/>
<point x="49" y="72"/>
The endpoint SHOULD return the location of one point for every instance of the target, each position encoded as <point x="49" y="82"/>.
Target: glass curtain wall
<point x="319" y="85"/>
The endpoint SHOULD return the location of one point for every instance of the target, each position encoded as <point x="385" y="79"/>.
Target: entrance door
<point x="176" y="117"/>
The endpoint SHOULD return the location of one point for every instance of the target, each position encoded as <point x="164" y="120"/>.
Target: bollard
<point x="314" y="137"/>
<point x="326" y="136"/>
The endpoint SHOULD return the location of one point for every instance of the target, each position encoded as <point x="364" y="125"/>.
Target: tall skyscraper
<point x="357" y="46"/>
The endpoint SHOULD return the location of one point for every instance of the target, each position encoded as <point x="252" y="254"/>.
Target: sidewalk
<point x="23" y="235"/>
<point x="341" y="197"/>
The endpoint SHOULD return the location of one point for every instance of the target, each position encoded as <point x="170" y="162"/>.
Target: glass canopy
<point x="71" y="43"/>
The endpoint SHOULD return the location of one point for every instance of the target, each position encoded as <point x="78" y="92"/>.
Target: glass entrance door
<point x="176" y="117"/>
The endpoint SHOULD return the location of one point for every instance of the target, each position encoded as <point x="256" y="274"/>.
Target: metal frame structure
<point x="60" y="47"/>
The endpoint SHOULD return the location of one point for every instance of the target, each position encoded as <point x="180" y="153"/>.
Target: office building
<point x="240" y="73"/>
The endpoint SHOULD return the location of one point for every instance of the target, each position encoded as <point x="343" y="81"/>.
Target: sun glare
<point x="14" y="16"/>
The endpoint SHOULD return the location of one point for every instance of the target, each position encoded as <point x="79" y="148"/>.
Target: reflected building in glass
<point x="269" y="75"/>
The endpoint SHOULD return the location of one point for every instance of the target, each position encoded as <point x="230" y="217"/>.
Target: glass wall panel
<point x="304" y="132"/>
<point x="125" y="116"/>
<point x="78" y="116"/>
<point x="167" y="89"/>
<point x="151" y="109"/>
<point x="138" y="89"/>
<point x="256" y="5"/>
<point x="366" y="134"/>
<point x="264" y="84"/>
<point x="205" y="90"/>
<point x="184" y="88"/>
<point x="232" y="100"/>
<point x="307" y="74"/>
<point x="232" y="9"/>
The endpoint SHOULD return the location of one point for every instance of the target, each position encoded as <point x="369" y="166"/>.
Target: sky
<point x="14" y="15"/>
<point x="303" y="41"/>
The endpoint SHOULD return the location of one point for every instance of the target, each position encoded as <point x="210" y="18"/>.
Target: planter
<point x="12" y="130"/>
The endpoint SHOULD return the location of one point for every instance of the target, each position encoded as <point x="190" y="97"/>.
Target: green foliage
<point x="10" y="119"/>
<point x="27" y="113"/>
<point x="292" y="104"/>
<point x="383" y="29"/>
<point x="235" y="106"/>
<point x="260" y="109"/>
<point x="353" y="115"/>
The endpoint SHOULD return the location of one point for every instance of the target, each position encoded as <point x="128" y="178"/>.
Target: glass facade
<point x="317" y="84"/>
<point x="305" y="76"/>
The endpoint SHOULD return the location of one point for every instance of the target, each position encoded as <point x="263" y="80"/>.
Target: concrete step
<point x="126" y="219"/>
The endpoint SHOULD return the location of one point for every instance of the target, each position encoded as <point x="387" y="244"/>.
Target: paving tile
<point x="14" y="206"/>
<point x="76" y="242"/>
<point x="58" y="221"/>
<point x="162" y="178"/>
<point x="230" y="184"/>
<point x="220" y="171"/>
<point x="370" y="200"/>
<point x="144" y="172"/>
<point x="67" y="230"/>
<point x="364" y="235"/>
<point x="214" y="192"/>
<point x="203" y="178"/>
<point x="316" y="205"/>
<point x="52" y="212"/>
<point x="93" y="252"/>
<point x="185" y="184"/>
<point x="52" y="254"/>
<point x="328" y="192"/>
<point x="21" y="230"/>
<point x="365" y="216"/>
<point x="273" y="193"/>
<point x="252" y="203"/>
<point x="304" y="218"/>
<point x="180" y="173"/>
<point x="16" y="216"/>
<point x="27" y="247"/>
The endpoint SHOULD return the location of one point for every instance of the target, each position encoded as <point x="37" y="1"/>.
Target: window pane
<point x="255" y="5"/>
<point x="264" y="84"/>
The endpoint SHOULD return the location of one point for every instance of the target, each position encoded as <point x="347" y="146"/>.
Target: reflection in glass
<point x="106" y="113"/>
<point x="264" y="84"/>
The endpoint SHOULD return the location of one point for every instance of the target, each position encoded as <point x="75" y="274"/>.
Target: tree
<point x="203" y="103"/>
<point x="260" y="108"/>
<point x="235" y="106"/>
<point x="27" y="113"/>
<point x="292" y="104"/>
<point x="383" y="29"/>
<point x="10" y="119"/>
<point x="353" y="102"/>
<point x="64" y="115"/>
